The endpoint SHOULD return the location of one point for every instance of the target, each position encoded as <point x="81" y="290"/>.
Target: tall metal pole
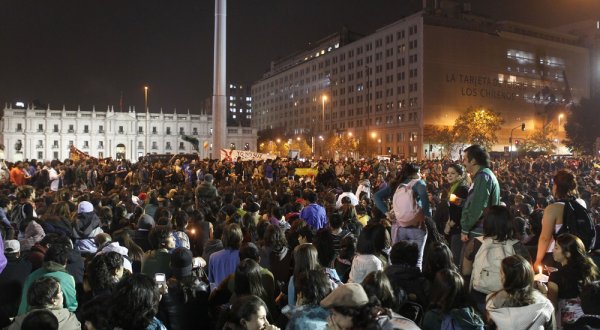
<point x="368" y="72"/>
<point x="219" y="104"/>
<point x="147" y="119"/>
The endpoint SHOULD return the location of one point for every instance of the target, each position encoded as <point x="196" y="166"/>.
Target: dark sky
<point x="85" y="52"/>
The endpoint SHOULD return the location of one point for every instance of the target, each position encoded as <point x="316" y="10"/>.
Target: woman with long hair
<point x="449" y="304"/>
<point x="563" y="189"/>
<point x="305" y="258"/>
<point x="519" y="305"/>
<point x="248" y="313"/>
<point x="564" y="285"/>
<point x="457" y="193"/>
<point x="367" y="259"/>
<point x="134" y="251"/>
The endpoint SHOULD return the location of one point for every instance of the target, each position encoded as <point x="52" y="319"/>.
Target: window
<point x="40" y="128"/>
<point x="168" y="130"/>
<point x="168" y="146"/>
<point x="181" y="131"/>
<point x="153" y="129"/>
<point x="195" y="131"/>
<point x="40" y="144"/>
<point x="181" y="147"/>
<point x="140" y="145"/>
<point x="55" y="128"/>
<point x="100" y="145"/>
<point x="55" y="155"/>
<point x="101" y="129"/>
<point x="86" y="144"/>
<point x="121" y="131"/>
<point x="19" y="127"/>
<point x="55" y="145"/>
<point x="71" y="129"/>
<point x="140" y="130"/>
<point x="40" y="155"/>
<point x="154" y="145"/>
<point x="86" y="129"/>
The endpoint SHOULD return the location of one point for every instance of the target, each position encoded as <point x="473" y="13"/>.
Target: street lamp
<point x="560" y="116"/>
<point x="323" y="99"/>
<point x="147" y="118"/>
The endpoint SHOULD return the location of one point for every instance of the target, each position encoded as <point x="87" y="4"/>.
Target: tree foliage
<point x="582" y="126"/>
<point x="343" y="144"/>
<point x="478" y="126"/>
<point x="540" y="141"/>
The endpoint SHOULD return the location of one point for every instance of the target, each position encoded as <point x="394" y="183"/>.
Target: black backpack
<point x="577" y="221"/>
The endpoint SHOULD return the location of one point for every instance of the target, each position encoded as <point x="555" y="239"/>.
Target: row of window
<point x="121" y="130"/>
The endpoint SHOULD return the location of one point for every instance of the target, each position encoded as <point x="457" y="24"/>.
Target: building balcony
<point x="55" y="146"/>
<point x="40" y="130"/>
<point x="168" y="148"/>
<point x="121" y="132"/>
<point x="154" y="147"/>
<point x="86" y="131"/>
<point x="71" y="131"/>
<point x="154" y="132"/>
<point x="85" y="147"/>
<point x="101" y="147"/>
<point x="39" y="146"/>
<point x="19" y="130"/>
<point x="181" y="148"/>
<point x="101" y="131"/>
<point x="140" y="147"/>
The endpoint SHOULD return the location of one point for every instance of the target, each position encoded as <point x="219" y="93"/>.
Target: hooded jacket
<point x="86" y="225"/>
<point x="67" y="285"/>
<point x="66" y="320"/>
<point x="539" y="315"/>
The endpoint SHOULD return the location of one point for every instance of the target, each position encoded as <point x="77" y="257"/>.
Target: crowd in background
<point x="186" y="243"/>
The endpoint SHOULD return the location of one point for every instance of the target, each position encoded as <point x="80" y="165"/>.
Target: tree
<point x="441" y="135"/>
<point x="582" y="125"/>
<point x="343" y="144"/>
<point x="541" y="141"/>
<point x="478" y="126"/>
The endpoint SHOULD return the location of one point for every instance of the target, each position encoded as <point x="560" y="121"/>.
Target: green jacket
<point x="67" y="284"/>
<point x="485" y="191"/>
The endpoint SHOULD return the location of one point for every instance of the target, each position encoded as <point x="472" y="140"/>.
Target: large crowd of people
<point x="183" y="243"/>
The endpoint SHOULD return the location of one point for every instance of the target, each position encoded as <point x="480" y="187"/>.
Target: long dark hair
<point x="248" y="279"/>
<point x="518" y="282"/>
<point x="498" y="223"/>
<point x="448" y="291"/>
<point x="577" y="258"/>
<point x="408" y="170"/>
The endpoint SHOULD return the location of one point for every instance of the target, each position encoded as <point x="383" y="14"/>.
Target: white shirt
<point x="362" y="265"/>
<point x="351" y="195"/>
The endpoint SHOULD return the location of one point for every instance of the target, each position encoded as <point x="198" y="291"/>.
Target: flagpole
<point x="147" y="119"/>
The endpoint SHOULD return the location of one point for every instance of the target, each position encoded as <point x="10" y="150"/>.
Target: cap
<point x="181" y="261"/>
<point x="208" y="178"/>
<point x="146" y="222"/>
<point x="347" y="295"/>
<point x="12" y="246"/>
<point x="85" y="207"/>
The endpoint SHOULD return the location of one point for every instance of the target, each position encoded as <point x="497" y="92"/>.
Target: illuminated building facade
<point x="29" y="133"/>
<point x="425" y="69"/>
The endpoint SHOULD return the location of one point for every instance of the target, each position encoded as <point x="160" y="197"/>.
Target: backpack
<point x="577" y="221"/>
<point x="17" y="214"/>
<point x="406" y="209"/>
<point x="485" y="276"/>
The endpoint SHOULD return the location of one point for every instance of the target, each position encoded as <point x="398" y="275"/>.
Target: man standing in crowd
<point x="206" y="190"/>
<point x="313" y="213"/>
<point x="484" y="191"/>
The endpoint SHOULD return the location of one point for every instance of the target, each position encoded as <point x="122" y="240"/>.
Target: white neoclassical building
<point x="29" y="133"/>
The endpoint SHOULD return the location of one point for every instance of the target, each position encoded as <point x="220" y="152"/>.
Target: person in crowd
<point x="141" y="235"/>
<point x="485" y="191"/>
<point x="347" y="192"/>
<point x="85" y="227"/>
<point x="564" y="187"/>
<point x="181" y="219"/>
<point x="457" y="193"/>
<point x="313" y="213"/>
<point x="103" y="272"/>
<point x="439" y="257"/>
<point x="46" y="293"/>
<point x="134" y="304"/>
<point x="12" y="278"/>
<point x="185" y="305"/>
<point x="591" y="309"/>
<point x="157" y="260"/>
<point x="343" y="261"/>
<point x="519" y="305"/>
<point x="275" y="254"/>
<point x="407" y="229"/>
<point x="305" y="258"/>
<point x="105" y="245"/>
<point x="135" y="254"/>
<point x="312" y="286"/>
<point x="223" y="263"/>
<point x="449" y="306"/>
<point x="486" y="253"/>
<point x="206" y="191"/>
<point x="367" y="259"/>
<point x="247" y="313"/>
<point x="326" y="253"/>
<point x="54" y="265"/>
<point x="406" y="278"/>
<point x="350" y="308"/>
<point x="564" y="285"/>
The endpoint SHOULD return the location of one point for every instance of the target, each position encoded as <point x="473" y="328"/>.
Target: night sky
<point x="86" y="52"/>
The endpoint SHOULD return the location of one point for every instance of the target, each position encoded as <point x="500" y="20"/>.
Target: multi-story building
<point x="239" y="106"/>
<point x="29" y="133"/>
<point x="425" y="69"/>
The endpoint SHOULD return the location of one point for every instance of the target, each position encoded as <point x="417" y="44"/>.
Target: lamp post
<point x="147" y="118"/>
<point x="560" y="116"/>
